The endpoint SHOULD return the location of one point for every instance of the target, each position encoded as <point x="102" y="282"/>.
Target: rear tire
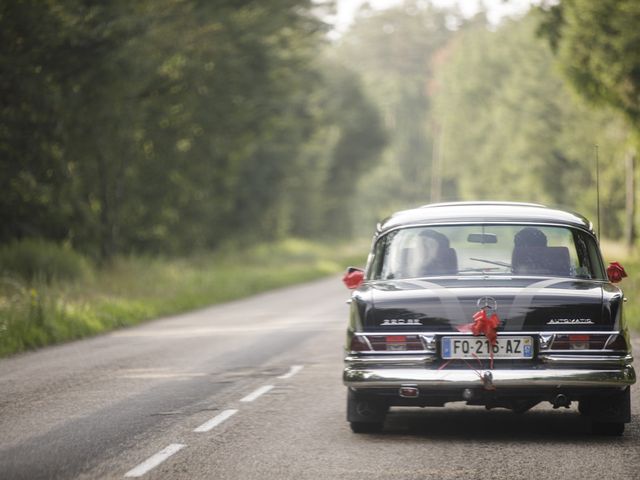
<point x="366" y="414"/>
<point x="366" y="427"/>
<point x="611" y="429"/>
<point x="523" y="406"/>
<point x="609" y="413"/>
<point x="584" y="407"/>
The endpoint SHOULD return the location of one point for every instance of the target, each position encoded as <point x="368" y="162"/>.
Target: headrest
<point x="530" y="237"/>
<point x="552" y="261"/>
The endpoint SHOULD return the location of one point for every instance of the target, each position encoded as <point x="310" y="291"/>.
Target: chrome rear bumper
<point x="431" y="378"/>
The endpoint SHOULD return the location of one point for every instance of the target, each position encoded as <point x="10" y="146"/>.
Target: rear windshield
<point x="510" y="250"/>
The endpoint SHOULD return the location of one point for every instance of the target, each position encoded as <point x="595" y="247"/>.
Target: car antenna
<point x="597" y="188"/>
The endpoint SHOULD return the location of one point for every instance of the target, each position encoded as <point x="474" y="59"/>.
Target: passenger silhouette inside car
<point x="532" y="256"/>
<point x="431" y="255"/>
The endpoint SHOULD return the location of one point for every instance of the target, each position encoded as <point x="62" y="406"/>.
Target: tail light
<point x="617" y="342"/>
<point x="386" y="343"/>
<point x="359" y="344"/>
<point x="583" y="341"/>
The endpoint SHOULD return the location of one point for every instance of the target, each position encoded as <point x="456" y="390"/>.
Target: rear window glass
<point x="513" y="250"/>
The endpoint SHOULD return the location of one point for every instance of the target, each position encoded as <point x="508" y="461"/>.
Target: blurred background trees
<point x="513" y="129"/>
<point x="169" y="126"/>
<point x="173" y="125"/>
<point x="392" y="50"/>
<point x="597" y="44"/>
<point x="477" y="110"/>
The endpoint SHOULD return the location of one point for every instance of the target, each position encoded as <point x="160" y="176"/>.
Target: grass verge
<point x="631" y="285"/>
<point x="43" y="311"/>
<point x="133" y="289"/>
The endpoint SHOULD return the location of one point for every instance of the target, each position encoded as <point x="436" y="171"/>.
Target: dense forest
<point x="173" y="126"/>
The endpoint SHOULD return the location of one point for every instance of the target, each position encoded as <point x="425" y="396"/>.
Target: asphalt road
<point x="252" y="390"/>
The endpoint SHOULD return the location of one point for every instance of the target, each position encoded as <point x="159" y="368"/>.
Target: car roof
<point x="483" y="212"/>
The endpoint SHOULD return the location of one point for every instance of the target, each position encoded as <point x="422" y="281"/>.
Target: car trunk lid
<point x="522" y="304"/>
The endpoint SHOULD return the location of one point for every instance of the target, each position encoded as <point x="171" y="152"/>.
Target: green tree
<point x="34" y="175"/>
<point x="512" y="130"/>
<point x="173" y="125"/>
<point x="596" y="44"/>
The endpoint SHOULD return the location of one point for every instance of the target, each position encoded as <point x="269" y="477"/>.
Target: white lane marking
<point x="215" y="421"/>
<point x="154" y="460"/>
<point x="292" y="371"/>
<point x="150" y="376"/>
<point x="256" y="393"/>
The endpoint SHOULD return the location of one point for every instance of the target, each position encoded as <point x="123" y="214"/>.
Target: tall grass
<point x="39" y="260"/>
<point x="614" y="251"/>
<point x="66" y="298"/>
<point x="631" y="287"/>
<point x="46" y="309"/>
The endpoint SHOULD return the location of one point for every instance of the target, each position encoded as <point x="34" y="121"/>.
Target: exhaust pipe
<point x="467" y="394"/>
<point x="561" y="400"/>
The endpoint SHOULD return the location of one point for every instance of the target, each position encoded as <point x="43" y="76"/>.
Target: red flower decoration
<point x="615" y="272"/>
<point x="353" y="278"/>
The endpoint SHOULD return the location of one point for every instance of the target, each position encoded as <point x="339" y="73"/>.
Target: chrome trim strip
<point x="587" y="352"/>
<point x="418" y="361"/>
<point x="432" y="338"/>
<point x="436" y="223"/>
<point x="587" y="359"/>
<point x="511" y="378"/>
<point x="390" y="352"/>
<point x="515" y="332"/>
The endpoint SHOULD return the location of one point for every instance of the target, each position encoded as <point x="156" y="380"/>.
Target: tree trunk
<point x="106" y="231"/>
<point x="436" y="165"/>
<point x="630" y="203"/>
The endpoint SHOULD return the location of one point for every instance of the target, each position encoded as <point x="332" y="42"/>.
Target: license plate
<point x="479" y="347"/>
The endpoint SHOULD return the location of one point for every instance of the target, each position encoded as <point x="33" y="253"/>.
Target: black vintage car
<point x="492" y="303"/>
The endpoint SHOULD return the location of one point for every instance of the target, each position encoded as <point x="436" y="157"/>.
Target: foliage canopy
<point x="172" y="125"/>
<point x="597" y="46"/>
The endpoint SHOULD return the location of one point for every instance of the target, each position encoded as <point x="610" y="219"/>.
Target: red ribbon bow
<point x="485" y="325"/>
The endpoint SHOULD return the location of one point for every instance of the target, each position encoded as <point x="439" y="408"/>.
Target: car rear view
<point x="495" y="304"/>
